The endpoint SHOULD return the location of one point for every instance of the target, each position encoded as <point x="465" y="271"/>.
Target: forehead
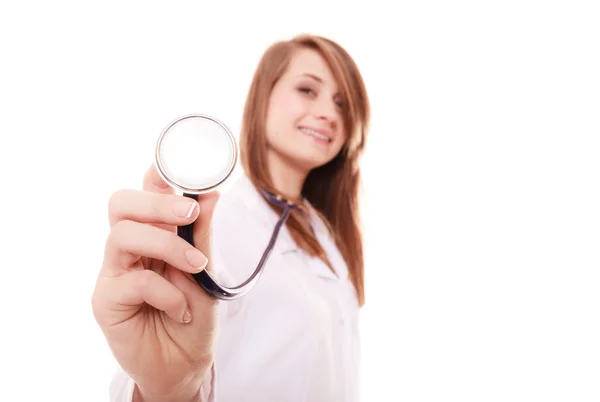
<point x="309" y="61"/>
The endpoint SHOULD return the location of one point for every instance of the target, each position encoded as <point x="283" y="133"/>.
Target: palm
<point x="156" y="346"/>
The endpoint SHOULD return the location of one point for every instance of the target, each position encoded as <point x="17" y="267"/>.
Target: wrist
<point x="188" y="393"/>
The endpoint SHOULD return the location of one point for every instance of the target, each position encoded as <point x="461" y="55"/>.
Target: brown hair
<point x="333" y="188"/>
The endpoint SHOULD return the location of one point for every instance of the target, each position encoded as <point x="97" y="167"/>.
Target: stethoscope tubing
<point x="210" y="284"/>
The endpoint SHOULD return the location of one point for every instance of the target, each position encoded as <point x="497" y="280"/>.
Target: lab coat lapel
<point x="260" y="208"/>
<point x="328" y="244"/>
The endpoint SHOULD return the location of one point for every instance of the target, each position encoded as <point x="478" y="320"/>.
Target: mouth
<point x="319" y="135"/>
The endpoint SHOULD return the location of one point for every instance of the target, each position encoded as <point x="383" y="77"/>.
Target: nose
<point x="325" y="109"/>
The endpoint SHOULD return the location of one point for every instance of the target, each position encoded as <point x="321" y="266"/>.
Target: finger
<point x="202" y="306"/>
<point x="145" y="286"/>
<point x="128" y="241"/>
<point x="147" y="207"/>
<point x="155" y="183"/>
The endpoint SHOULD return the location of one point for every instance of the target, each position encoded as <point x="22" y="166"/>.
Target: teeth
<point x="315" y="134"/>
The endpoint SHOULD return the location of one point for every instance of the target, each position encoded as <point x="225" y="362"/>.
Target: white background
<point x="481" y="180"/>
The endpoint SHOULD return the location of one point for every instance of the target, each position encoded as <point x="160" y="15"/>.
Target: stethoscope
<point x="196" y="154"/>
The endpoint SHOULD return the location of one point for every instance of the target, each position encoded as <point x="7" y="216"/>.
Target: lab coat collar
<point x="254" y="200"/>
<point x="259" y="207"/>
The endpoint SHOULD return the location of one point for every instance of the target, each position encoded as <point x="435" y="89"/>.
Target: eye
<point x="307" y="90"/>
<point x="339" y="103"/>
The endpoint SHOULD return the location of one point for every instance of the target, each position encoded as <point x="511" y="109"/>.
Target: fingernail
<point x="196" y="259"/>
<point x="187" y="317"/>
<point x="184" y="209"/>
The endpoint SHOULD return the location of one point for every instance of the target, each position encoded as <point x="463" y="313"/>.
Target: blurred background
<point x="481" y="179"/>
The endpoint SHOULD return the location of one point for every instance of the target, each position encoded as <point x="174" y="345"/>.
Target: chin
<point x="308" y="164"/>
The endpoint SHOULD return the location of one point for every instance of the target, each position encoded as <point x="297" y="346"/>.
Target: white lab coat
<point x="294" y="337"/>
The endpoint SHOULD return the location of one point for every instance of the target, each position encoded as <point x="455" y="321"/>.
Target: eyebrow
<point x="314" y="77"/>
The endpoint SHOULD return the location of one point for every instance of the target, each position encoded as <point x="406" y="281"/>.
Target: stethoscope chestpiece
<point x="195" y="154"/>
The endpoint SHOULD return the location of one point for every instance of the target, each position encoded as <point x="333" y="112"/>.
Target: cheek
<point x="279" y="114"/>
<point x="291" y="106"/>
<point x="274" y="120"/>
<point x="341" y="140"/>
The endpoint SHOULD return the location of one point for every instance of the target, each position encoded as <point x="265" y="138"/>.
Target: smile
<point x="318" y="135"/>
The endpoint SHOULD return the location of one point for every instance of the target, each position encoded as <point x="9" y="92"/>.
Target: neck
<point x="288" y="180"/>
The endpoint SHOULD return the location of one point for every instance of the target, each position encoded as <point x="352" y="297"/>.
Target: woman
<point x="294" y="337"/>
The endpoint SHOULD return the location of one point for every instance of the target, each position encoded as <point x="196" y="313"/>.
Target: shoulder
<point x="241" y="207"/>
<point x="241" y="195"/>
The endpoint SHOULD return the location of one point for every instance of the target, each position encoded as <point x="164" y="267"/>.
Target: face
<point x="304" y="122"/>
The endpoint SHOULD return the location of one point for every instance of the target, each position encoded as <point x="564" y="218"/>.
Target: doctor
<point x="294" y="337"/>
